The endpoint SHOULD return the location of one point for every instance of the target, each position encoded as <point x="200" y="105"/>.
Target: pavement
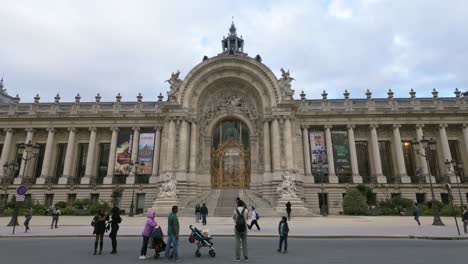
<point x="260" y="250"/>
<point x="396" y="227"/>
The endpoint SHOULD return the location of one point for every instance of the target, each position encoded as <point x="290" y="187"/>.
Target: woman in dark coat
<point x="114" y="222"/>
<point x="99" y="224"/>
<point x="283" y="230"/>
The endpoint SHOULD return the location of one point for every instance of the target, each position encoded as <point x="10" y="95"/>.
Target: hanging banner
<point x="341" y="152"/>
<point x="145" y="152"/>
<point x="123" y="153"/>
<point x="318" y="152"/>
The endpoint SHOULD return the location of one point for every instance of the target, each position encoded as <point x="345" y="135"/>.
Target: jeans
<point x="283" y="238"/>
<point x="197" y="217"/>
<point x="26" y="223"/>
<point x="54" y="221"/>
<point x="171" y="240"/>
<point x="204" y="219"/>
<point x="416" y="218"/>
<point x="465" y="223"/>
<point x="241" y="237"/>
<point x="144" y="247"/>
<point x="254" y="222"/>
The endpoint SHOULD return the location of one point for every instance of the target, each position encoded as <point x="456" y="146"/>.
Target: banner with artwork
<point x="341" y="152"/>
<point x="318" y="152"/>
<point x="145" y="152"/>
<point x="123" y="153"/>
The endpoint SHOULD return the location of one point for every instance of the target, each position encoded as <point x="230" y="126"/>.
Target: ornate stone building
<point x="232" y="124"/>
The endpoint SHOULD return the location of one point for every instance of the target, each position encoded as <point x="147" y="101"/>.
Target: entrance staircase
<point x="209" y="198"/>
<point x="227" y="203"/>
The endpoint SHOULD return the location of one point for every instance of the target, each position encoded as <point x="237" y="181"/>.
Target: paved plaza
<point x="315" y="227"/>
<point x="261" y="250"/>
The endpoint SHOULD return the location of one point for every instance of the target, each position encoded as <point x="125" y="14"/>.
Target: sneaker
<point x="237" y="259"/>
<point x="142" y="257"/>
<point x="246" y="258"/>
<point x="176" y="259"/>
<point x="279" y="250"/>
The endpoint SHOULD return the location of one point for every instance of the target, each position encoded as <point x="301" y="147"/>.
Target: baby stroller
<point x="202" y="240"/>
<point x="158" y="243"/>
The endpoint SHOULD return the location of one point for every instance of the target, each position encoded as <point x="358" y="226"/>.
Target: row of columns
<point x="272" y="145"/>
<point x="375" y="152"/>
<point x="187" y="146"/>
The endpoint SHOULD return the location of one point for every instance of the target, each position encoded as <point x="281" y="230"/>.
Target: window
<point x="395" y="195"/>
<point x="49" y="199"/>
<point x="140" y="205"/>
<point x="386" y="160"/>
<point x="410" y="165"/>
<point x="420" y="198"/>
<point x="18" y="159"/>
<point x="104" y="149"/>
<point x="323" y="202"/>
<point x="39" y="161"/>
<point x="71" y="198"/>
<point x="94" y="198"/>
<point x="433" y="164"/>
<point x="61" y="150"/>
<point x="362" y="151"/>
<point x="454" y="150"/>
<point x="82" y="154"/>
<point x="445" y="198"/>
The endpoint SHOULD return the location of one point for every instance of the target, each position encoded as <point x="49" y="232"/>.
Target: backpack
<point x="157" y="233"/>
<point x="240" y="221"/>
<point x="258" y="216"/>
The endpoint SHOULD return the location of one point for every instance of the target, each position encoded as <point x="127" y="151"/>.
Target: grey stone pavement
<point x="261" y="250"/>
<point x="307" y="227"/>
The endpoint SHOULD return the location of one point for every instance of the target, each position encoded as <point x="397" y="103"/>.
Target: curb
<point x="266" y="236"/>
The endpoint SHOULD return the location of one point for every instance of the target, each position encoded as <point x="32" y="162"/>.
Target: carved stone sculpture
<point x="287" y="188"/>
<point x="168" y="187"/>
<point x="285" y="84"/>
<point x="175" y="82"/>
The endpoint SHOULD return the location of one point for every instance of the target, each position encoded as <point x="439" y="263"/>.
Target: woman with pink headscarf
<point x="147" y="230"/>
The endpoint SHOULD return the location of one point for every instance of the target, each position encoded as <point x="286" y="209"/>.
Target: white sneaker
<point x="142" y="257"/>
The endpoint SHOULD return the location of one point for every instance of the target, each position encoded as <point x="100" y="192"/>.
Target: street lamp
<point x="428" y="146"/>
<point x="135" y="167"/>
<point x="9" y="170"/>
<point x="28" y="151"/>
<point x="457" y="169"/>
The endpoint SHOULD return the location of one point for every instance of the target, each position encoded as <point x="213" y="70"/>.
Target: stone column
<point x="86" y="179"/>
<point x="193" y="148"/>
<point x="112" y="152"/>
<point x="170" y="146"/>
<point x="353" y="155"/>
<point x="275" y="142"/>
<point x="288" y="144"/>
<point x="45" y="172"/>
<point x="446" y="152"/>
<point x="399" y="155"/>
<point x="465" y="141"/>
<point x="332" y="178"/>
<point x="156" y="153"/>
<point x="6" y="149"/>
<point x="134" y="155"/>
<point x="183" y="151"/>
<point x="306" y="149"/>
<point x="376" y="153"/>
<point x="422" y="159"/>
<point x="68" y="156"/>
<point x="23" y="169"/>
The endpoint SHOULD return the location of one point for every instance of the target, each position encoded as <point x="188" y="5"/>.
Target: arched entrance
<point x="230" y="155"/>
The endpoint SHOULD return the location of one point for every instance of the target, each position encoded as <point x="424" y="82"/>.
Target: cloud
<point x="116" y="46"/>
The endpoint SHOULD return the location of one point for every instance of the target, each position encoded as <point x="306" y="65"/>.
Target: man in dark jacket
<point x="204" y="213"/>
<point x="465" y="218"/>
<point x="288" y="210"/>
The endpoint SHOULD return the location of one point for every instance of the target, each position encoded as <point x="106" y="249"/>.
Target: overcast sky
<point x="116" y="46"/>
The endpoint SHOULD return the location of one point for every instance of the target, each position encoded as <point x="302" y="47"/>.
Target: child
<point x="283" y="230"/>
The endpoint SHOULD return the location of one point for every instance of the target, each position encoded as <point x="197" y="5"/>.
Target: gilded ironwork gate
<point x="230" y="155"/>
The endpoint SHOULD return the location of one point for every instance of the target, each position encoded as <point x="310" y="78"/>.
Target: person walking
<point x="283" y="230"/>
<point x="288" y="210"/>
<point x="254" y="216"/>
<point x="99" y="224"/>
<point x="27" y="216"/>
<point x="173" y="234"/>
<point x="114" y="222"/>
<point x="416" y="213"/>
<point x="197" y="213"/>
<point x="240" y="230"/>
<point x="146" y="234"/>
<point x="465" y="218"/>
<point x="204" y="213"/>
<point x="55" y="217"/>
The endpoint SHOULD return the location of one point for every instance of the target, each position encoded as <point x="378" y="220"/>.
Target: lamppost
<point x="8" y="170"/>
<point x="321" y="163"/>
<point x="457" y="169"/>
<point x="136" y="168"/>
<point x="428" y="146"/>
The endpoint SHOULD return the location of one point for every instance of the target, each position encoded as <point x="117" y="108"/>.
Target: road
<point x="261" y="250"/>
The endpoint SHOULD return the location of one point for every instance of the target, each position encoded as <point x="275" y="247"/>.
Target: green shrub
<point x="8" y="212"/>
<point x="395" y="205"/>
<point x="61" y="204"/>
<point x="354" y="203"/>
<point x="67" y="211"/>
<point x="367" y="192"/>
<point x="94" y="208"/>
<point x="81" y="204"/>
